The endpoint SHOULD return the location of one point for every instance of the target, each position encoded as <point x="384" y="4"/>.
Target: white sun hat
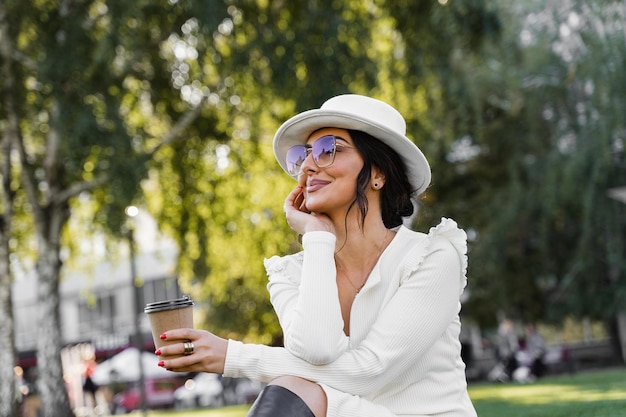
<point x="356" y="112"/>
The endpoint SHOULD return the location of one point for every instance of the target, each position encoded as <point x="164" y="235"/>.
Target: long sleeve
<point x="308" y="309"/>
<point x="419" y="314"/>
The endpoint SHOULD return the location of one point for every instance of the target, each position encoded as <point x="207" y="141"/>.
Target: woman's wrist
<point x="319" y="226"/>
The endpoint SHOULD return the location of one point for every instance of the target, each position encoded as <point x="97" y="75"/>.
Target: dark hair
<point x="395" y="198"/>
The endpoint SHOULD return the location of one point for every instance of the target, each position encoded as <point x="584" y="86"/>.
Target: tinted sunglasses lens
<point x="295" y="157"/>
<point x="324" y="151"/>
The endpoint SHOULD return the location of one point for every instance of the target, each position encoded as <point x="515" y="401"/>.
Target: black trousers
<point x="277" y="401"/>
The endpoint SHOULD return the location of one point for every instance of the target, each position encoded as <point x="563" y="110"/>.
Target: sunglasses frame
<point x="310" y="150"/>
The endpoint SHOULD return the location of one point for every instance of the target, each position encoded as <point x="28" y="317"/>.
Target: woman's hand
<point x="299" y="218"/>
<point x="209" y="351"/>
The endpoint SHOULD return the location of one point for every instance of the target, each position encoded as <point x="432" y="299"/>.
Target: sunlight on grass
<point x="598" y="394"/>
<point x="545" y="394"/>
<point x="232" y="411"/>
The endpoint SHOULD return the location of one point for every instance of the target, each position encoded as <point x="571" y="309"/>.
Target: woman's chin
<point x="315" y="206"/>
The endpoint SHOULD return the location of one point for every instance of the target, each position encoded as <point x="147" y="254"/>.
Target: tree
<point x="228" y="210"/>
<point x="537" y="143"/>
<point x="74" y="76"/>
<point x="9" y="405"/>
<point x="222" y="197"/>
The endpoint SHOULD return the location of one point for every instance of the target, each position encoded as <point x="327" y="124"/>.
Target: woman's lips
<point x="315" y="185"/>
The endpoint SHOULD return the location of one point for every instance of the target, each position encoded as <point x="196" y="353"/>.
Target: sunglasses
<point x="323" y="151"/>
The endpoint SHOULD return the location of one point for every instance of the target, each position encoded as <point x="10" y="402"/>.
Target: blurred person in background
<point x="507" y="349"/>
<point x="536" y="347"/>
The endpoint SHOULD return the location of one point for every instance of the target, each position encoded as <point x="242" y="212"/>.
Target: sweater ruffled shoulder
<point x="282" y="265"/>
<point x="448" y="230"/>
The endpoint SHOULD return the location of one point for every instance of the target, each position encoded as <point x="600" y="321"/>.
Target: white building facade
<point x="98" y="303"/>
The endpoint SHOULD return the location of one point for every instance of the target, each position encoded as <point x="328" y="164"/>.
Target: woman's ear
<point x="377" y="180"/>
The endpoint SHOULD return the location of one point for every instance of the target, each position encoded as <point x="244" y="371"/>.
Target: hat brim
<point x="297" y="130"/>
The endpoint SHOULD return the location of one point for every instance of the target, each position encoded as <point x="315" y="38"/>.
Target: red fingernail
<point x="158" y="352"/>
<point x="163" y="337"/>
<point x="161" y="364"/>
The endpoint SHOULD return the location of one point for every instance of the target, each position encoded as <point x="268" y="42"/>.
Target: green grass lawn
<point x="231" y="411"/>
<point x="587" y="394"/>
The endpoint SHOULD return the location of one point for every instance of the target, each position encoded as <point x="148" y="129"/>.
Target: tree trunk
<point x="8" y="392"/>
<point x="53" y="392"/>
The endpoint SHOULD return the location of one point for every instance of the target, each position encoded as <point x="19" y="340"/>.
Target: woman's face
<point x="332" y="189"/>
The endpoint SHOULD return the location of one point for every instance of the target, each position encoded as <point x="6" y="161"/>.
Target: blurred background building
<point x="97" y="301"/>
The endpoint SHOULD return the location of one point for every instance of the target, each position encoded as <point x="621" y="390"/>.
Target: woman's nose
<point x="309" y="164"/>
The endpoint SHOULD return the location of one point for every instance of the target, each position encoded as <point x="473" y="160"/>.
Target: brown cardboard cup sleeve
<point x="167" y="315"/>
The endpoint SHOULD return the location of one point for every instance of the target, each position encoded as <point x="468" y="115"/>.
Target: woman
<point x="369" y="309"/>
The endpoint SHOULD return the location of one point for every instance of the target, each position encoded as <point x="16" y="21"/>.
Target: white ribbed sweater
<point x="403" y="353"/>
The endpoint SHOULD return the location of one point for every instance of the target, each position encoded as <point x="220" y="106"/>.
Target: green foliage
<point x="224" y="205"/>
<point x="268" y="61"/>
<point x="522" y="128"/>
<point x="541" y="116"/>
<point x="311" y="48"/>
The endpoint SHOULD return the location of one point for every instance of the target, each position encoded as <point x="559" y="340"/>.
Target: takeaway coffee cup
<point x="167" y="315"/>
